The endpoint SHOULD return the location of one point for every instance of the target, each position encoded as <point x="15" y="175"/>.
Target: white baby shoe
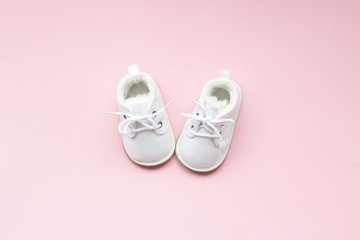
<point x="146" y="132"/>
<point x="206" y="137"/>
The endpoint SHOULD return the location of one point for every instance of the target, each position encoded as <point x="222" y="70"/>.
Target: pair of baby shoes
<point x="146" y="131"/>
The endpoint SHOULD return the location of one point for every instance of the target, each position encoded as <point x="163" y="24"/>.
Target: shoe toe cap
<point x="149" y="149"/>
<point x="198" y="154"/>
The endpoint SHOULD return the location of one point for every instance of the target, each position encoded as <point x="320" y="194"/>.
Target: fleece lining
<point x="135" y="88"/>
<point x="221" y="94"/>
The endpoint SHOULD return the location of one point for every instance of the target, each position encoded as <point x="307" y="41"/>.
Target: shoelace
<point x="146" y="121"/>
<point x="209" y="124"/>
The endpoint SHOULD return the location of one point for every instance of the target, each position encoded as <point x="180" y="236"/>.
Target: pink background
<point x="293" y="171"/>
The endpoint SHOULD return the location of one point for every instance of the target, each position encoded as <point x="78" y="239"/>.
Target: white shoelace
<point x="209" y="124"/>
<point x="147" y="121"/>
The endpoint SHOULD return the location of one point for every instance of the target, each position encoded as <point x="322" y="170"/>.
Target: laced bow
<point x="147" y="121"/>
<point x="209" y="123"/>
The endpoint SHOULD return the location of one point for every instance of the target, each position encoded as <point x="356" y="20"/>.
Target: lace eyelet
<point x="125" y="117"/>
<point x="160" y="123"/>
<point x="192" y="126"/>
<point x="155" y="115"/>
<point x="197" y="114"/>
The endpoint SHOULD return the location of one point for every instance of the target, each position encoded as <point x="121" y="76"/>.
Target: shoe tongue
<point x="211" y="110"/>
<point x="139" y="107"/>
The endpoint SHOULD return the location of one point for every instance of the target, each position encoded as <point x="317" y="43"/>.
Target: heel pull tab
<point x="224" y="73"/>
<point x="133" y="69"/>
